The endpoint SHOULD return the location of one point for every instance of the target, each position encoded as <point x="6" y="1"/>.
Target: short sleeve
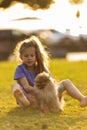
<point x="18" y="73"/>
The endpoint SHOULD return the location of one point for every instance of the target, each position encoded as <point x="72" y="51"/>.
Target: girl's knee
<point x="15" y="87"/>
<point x="65" y="82"/>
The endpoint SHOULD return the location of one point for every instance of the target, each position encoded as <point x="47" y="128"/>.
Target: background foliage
<point x="34" y="4"/>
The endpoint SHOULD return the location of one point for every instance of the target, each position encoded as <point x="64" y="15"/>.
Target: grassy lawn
<point x="73" y="118"/>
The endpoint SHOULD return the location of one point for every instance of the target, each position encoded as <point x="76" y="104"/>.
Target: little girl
<point x="34" y="60"/>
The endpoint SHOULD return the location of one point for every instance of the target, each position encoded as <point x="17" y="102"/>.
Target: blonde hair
<point x="42" y="56"/>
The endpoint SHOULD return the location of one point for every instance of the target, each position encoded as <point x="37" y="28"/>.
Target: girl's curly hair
<point x="42" y="56"/>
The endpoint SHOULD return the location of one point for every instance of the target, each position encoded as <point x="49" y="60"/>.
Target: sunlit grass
<point x="73" y="117"/>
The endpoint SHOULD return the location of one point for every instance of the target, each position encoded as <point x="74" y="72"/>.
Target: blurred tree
<point x="34" y="4"/>
<point x="76" y="1"/>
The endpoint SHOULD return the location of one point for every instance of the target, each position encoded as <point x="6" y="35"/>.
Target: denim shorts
<point x="61" y="88"/>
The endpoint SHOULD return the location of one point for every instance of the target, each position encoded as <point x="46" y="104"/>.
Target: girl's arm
<point x="23" y="81"/>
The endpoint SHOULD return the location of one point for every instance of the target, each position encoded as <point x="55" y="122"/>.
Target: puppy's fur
<point x="46" y="93"/>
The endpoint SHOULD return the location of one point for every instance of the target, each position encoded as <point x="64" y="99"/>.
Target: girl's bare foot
<point x="83" y="102"/>
<point x="22" y="100"/>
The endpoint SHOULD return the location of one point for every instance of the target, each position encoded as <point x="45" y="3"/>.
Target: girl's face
<point x="29" y="57"/>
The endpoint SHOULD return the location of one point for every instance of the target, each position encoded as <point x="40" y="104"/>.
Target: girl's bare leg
<point x="73" y="92"/>
<point x="19" y="95"/>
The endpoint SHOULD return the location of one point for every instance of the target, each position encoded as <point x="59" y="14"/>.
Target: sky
<point x="60" y="16"/>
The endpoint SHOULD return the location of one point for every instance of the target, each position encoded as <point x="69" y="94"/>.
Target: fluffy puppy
<point x="46" y="93"/>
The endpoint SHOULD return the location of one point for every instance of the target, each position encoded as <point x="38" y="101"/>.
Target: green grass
<point x="73" y="118"/>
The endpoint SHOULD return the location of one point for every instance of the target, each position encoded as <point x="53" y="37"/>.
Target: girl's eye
<point x="32" y="55"/>
<point x="28" y="55"/>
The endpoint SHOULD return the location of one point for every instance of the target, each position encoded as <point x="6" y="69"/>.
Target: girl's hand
<point x="28" y="88"/>
<point x="31" y="90"/>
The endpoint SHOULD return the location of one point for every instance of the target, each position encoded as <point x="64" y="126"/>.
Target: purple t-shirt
<point x="21" y="72"/>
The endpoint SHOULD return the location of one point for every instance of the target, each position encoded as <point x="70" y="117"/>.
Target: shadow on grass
<point x="26" y="119"/>
<point x="27" y="112"/>
<point x="33" y="119"/>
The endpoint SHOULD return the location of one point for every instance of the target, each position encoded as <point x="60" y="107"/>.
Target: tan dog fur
<point x="46" y="93"/>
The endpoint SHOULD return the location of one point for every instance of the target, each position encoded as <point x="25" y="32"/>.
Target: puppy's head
<point x="41" y="80"/>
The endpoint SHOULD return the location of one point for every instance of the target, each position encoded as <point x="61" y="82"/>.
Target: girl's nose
<point x="29" y="57"/>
